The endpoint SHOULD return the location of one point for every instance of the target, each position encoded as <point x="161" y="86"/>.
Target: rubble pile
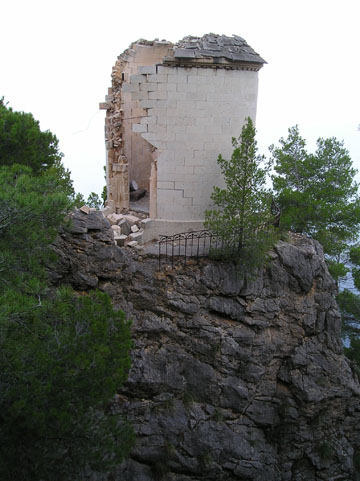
<point x="127" y="229"/>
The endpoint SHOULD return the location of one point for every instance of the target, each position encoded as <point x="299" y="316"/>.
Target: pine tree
<point x="23" y="142"/>
<point x="63" y="356"/>
<point x="317" y="192"/>
<point x="242" y="218"/>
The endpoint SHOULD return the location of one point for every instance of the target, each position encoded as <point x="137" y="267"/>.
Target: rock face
<point x="232" y="378"/>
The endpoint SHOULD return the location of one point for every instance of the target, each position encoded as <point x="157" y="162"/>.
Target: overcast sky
<point x="56" y="60"/>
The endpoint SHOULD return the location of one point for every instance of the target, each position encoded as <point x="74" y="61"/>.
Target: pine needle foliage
<point x="63" y="356"/>
<point x="317" y="192"/>
<point x="22" y="142"/>
<point x="242" y="218"/>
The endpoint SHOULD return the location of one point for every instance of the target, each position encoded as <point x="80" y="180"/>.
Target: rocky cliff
<point x="232" y="378"/>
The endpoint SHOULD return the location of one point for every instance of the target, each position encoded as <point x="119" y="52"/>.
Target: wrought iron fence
<point x="187" y="244"/>
<point x="202" y="243"/>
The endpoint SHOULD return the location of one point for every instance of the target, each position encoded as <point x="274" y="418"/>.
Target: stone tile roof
<point x="233" y="49"/>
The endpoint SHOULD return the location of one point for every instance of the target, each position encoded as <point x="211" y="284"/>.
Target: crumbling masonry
<point x="169" y="113"/>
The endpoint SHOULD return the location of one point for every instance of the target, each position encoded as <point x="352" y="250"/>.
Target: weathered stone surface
<point x="85" y="209"/>
<point x="115" y="218"/>
<point x="79" y="222"/>
<point x="76" y="225"/>
<point x="96" y="221"/>
<point x="132" y="219"/>
<point x="137" y="236"/>
<point x="125" y="226"/>
<point x="120" y="239"/>
<point x="133" y="243"/>
<point x="232" y="378"/>
<point x="228" y="307"/>
<point x="106" y="211"/>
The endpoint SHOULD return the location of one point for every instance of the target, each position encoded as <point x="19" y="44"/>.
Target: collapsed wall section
<point x="128" y="155"/>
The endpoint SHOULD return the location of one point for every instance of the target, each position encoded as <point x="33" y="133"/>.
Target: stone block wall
<point x="171" y="110"/>
<point x="191" y="115"/>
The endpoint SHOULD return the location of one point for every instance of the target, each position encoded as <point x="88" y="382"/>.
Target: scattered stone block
<point x="120" y="239"/>
<point x="85" y="209"/>
<point x="132" y="244"/>
<point x="134" y="228"/>
<point x="137" y="236"/>
<point x="115" y="218"/>
<point x="144" y="223"/>
<point x="124" y="226"/>
<point x="106" y="211"/>
<point x="116" y="228"/>
<point x="132" y="219"/>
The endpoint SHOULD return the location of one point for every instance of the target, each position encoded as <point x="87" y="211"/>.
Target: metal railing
<point x="205" y="242"/>
<point x="187" y="244"/>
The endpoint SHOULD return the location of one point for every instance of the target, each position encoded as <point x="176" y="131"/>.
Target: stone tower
<point x="169" y="113"/>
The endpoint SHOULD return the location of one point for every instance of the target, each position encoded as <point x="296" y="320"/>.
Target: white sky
<point x="56" y="59"/>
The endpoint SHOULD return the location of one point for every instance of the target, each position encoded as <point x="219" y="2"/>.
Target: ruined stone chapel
<point x="171" y="110"/>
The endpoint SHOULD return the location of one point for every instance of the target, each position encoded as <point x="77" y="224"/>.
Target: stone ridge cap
<point x="234" y="48"/>
<point x="144" y="43"/>
<point x="150" y="43"/>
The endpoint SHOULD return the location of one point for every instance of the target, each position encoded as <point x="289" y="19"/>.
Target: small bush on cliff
<point x="63" y="356"/>
<point x="243" y="218"/>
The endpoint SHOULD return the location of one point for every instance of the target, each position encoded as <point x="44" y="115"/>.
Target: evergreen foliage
<point x="317" y="192"/>
<point x="242" y="218"/>
<point x="349" y="304"/>
<point x="353" y="351"/>
<point x="104" y="191"/>
<point x="31" y="209"/>
<point x="62" y="360"/>
<point x="63" y="356"/>
<point x="94" y="200"/>
<point x="22" y="142"/>
<point x="319" y="197"/>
